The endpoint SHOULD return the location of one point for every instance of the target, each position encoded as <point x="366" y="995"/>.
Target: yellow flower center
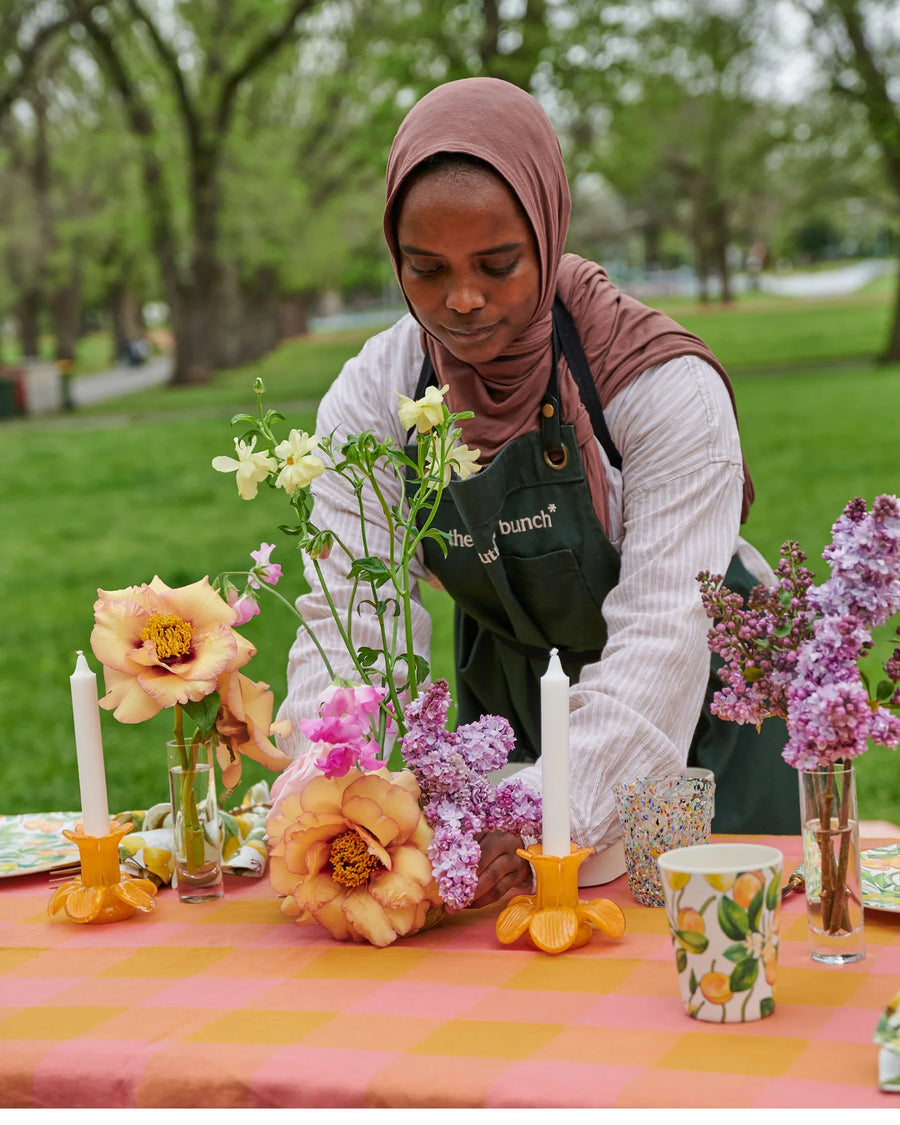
<point x="170" y="634"/>
<point x="350" y="860"/>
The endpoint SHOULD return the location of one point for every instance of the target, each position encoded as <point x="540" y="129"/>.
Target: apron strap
<point x="584" y="380"/>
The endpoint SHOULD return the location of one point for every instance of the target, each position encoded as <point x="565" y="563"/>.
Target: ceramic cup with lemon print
<point x="723" y="904"/>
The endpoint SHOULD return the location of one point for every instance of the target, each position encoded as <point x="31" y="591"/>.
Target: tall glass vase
<point x="831" y="864"/>
<point x="192" y="791"/>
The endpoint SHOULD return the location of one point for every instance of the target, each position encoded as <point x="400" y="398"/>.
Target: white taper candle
<point x="89" y="749"/>
<point x="555" y="758"/>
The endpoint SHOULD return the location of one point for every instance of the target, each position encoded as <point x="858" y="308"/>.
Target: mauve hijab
<point x="507" y="128"/>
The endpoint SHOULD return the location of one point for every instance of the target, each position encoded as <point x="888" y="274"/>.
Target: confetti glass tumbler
<point x="658" y="814"/>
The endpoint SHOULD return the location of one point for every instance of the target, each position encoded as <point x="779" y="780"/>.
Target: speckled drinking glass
<point x="658" y="814"/>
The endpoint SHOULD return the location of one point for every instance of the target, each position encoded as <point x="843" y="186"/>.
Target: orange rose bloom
<point x="349" y="854"/>
<point x="161" y="646"/>
<point x="245" y="723"/>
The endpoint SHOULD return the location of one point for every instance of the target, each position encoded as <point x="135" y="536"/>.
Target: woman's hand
<point x="500" y="870"/>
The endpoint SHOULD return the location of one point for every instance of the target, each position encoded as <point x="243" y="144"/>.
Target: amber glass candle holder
<point x="555" y="918"/>
<point x="102" y="892"/>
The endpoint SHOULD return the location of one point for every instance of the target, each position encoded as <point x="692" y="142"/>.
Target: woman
<point x="612" y="473"/>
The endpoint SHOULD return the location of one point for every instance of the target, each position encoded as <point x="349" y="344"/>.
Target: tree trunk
<point x="702" y="264"/>
<point x="65" y="313"/>
<point x="293" y="314"/>
<point x="651" y="232"/>
<point x="227" y="342"/>
<point x="720" y="232"/>
<point x="260" y="307"/>
<point x="193" y="320"/>
<point x="126" y="316"/>
<point x="28" y="322"/>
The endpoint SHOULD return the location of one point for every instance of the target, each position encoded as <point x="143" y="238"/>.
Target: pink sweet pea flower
<point x="244" y="605"/>
<point x="345" y="726"/>
<point x="268" y="571"/>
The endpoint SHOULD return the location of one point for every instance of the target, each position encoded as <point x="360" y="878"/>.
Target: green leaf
<point x="773" y="891"/>
<point x="885" y="690"/>
<point x="737" y="952"/>
<point x="766" y="1006"/>
<point x="754" y="910"/>
<point x="204" y="712"/>
<point x="372" y="570"/>
<point x="743" y="975"/>
<point x="680" y="959"/>
<point x="693" y="982"/>
<point x="439" y="537"/>
<point x="695" y="942"/>
<point x="245" y="418"/>
<point x="733" y="919"/>
<point x="368" y="656"/>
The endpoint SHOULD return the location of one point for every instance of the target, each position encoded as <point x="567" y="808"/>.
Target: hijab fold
<point x="507" y="128"/>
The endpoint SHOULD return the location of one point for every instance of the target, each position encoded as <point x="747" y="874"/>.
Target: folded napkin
<point x="887" y="1033"/>
<point x="147" y="851"/>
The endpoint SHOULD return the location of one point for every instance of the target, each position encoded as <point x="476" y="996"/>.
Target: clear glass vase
<point x="831" y="864"/>
<point x="195" y="820"/>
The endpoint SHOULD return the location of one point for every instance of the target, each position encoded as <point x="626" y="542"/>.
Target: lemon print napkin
<point x="147" y="850"/>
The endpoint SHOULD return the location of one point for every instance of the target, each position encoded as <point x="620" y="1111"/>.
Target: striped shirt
<point x="674" y="511"/>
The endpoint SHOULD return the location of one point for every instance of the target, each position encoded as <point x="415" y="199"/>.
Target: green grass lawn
<point x="114" y="494"/>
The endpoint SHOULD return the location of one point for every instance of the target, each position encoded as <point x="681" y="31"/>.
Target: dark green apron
<point x="528" y="567"/>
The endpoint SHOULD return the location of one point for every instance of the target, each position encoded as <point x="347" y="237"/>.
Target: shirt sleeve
<point x="633" y="712"/>
<point x="363" y="397"/>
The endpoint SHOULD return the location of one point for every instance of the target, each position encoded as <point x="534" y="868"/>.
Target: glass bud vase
<point x="831" y="864"/>
<point x="195" y="820"/>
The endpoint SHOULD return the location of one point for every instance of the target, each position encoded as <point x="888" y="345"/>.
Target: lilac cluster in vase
<point x="794" y="649"/>
<point x="458" y="799"/>
<point x="831" y="714"/>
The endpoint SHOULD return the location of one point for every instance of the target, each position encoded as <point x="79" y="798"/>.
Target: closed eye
<point x="500" y="271"/>
<point x="423" y="271"/>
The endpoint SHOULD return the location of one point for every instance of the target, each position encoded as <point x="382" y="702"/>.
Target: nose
<point x="464" y="295"/>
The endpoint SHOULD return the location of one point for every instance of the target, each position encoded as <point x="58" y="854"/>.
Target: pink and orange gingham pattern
<point x="227" y="1004"/>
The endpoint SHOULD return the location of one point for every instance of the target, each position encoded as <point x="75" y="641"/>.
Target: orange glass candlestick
<point x="102" y="892"/>
<point x="554" y="916"/>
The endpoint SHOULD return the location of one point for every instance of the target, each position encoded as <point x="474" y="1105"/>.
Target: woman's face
<point x="468" y="261"/>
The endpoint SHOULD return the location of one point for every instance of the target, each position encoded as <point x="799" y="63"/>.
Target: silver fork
<point x="64" y="872"/>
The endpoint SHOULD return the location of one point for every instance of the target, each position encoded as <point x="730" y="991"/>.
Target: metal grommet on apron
<point x="528" y="566"/>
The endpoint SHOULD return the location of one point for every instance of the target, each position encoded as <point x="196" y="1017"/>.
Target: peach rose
<point x="245" y="724"/>
<point x="161" y="646"/>
<point x="350" y="854"/>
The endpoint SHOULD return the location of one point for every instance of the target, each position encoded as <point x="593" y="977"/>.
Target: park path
<point x="120" y="380"/>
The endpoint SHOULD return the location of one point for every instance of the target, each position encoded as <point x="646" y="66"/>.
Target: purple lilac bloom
<point x="458" y="800"/>
<point x="830" y="715"/>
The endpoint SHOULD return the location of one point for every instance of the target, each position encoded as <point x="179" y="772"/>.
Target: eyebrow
<point x="504" y="249"/>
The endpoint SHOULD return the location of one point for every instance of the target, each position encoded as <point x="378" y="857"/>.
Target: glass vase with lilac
<point x="808" y="654"/>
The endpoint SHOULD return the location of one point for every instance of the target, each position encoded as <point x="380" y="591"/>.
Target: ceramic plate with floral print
<point x="33" y="842"/>
<point x="881" y="877"/>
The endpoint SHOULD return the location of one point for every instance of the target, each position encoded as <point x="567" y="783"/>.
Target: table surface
<point x="229" y="1004"/>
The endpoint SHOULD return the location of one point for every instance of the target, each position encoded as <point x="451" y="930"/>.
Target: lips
<point x="470" y="333"/>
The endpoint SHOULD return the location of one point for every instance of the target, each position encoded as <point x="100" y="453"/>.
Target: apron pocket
<point x="559" y="599"/>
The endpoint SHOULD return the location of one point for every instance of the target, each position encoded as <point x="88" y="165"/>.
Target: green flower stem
<point x="192" y="833"/>
<point x="840" y="911"/>
<point x="340" y="625"/>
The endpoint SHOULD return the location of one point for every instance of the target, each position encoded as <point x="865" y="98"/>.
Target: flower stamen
<point x="170" y="635"/>
<point x="350" y="859"/>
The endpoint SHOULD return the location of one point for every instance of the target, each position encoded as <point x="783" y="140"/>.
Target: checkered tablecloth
<point x="228" y="1004"/>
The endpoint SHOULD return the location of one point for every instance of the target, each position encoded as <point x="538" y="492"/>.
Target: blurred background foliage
<point x="225" y="161"/>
